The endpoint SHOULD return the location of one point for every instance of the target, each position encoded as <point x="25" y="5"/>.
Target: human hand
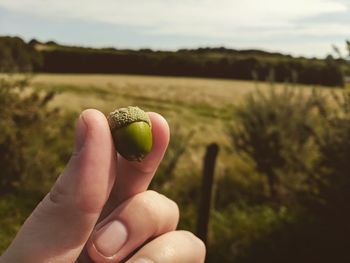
<point x="99" y="209"/>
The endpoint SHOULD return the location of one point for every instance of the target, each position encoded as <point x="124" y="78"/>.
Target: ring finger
<point x="171" y="247"/>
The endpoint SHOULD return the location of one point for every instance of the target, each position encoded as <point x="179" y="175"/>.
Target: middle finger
<point x="143" y="216"/>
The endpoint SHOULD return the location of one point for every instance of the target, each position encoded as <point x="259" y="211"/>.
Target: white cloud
<point x="266" y="24"/>
<point x="182" y="17"/>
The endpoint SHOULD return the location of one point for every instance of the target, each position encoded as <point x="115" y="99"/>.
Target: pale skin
<point x="100" y="210"/>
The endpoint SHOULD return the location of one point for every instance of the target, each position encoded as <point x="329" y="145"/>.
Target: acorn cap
<point x="125" y="116"/>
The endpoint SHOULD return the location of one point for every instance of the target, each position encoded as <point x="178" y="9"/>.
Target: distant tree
<point x="17" y="56"/>
<point x="51" y="43"/>
<point x="33" y="42"/>
<point x="337" y="51"/>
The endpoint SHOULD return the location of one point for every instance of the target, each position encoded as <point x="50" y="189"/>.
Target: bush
<point x="301" y="144"/>
<point x="236" y="230"/>
<point x="29" y="149"/>
<point x="333" y="180"/>
<point x="276" y="130"/>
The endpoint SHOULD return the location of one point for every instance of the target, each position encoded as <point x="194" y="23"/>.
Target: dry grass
<point x="214" y="92"/>
<point x="205" y="105"/>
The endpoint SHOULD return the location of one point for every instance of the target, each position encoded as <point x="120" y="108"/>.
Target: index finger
<point x="135" y="177"/>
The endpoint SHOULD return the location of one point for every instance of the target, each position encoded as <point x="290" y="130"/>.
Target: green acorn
<point x="132" y="132"/>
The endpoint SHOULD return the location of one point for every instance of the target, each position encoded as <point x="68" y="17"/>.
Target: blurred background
<point x="256" y="94"/>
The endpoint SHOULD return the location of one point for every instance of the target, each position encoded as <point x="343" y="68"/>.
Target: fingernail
<point x="109" y="239"/>
<point x="80" y="134"/>
<point x="143" y="260"/>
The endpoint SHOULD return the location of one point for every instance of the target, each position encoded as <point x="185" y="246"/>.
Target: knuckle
<point x="157" y="208"/>
<point x="171" y="204"/>
<point x="174" y="211"/>
<point x="194" y="240"/>
<point x="148" y="204"/>
<point x="58" y="195"/>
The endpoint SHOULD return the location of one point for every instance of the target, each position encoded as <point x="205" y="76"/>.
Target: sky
<point x="297" y="27"/>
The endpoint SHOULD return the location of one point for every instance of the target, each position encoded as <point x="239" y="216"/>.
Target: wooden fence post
<point x="207" y="185"/>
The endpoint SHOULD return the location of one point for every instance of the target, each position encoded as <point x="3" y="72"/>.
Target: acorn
<point x="131" y="130"/>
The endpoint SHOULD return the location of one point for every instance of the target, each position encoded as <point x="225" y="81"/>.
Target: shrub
<point x="333" y="181"/>
<point x="29" y="149"/>
<point x="301" y="144"/>
<point x="276" y="130"/>
<point x="235" y="231"/>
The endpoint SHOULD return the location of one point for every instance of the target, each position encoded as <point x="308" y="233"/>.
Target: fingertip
<point x="90" y="124"/>
<point x="93" y="117"/>
<point x="158" y="118"/>
<point x="98" y="129"/>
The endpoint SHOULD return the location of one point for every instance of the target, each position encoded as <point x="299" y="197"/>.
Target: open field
<point x="214" y="93"/>
<point x="202" y="105"/>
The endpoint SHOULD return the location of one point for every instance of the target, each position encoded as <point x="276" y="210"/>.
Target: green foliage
<point x="235" y="185"/>
<point x="276" y="130"/>
<point x="29" y="149"/>
<point x="333" y="181"/>
<point x="17" y="56"/>
<point x="301" y="144"/>
<point x="239" y="227"/>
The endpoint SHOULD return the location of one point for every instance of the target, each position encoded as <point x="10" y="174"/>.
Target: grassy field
<point x="202" y="105"/>
<point x="205" y="106"/>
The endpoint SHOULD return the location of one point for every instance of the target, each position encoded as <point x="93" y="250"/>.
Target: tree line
<point x="17" y="55"/>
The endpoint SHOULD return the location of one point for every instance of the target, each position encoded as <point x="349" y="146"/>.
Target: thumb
<point x="58" y="228"/>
